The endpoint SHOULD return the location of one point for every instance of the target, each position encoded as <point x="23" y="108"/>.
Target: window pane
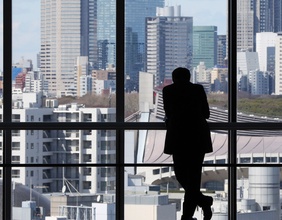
<point x="258" y="192"/>
<point x="62" y="192"/>
<point x="26" y="76"/>
<point x="258" y="146"/>
<point x="61" y="181"/>
<point x="63" y="53"/>
<point x="161" y="37"/>
<point x="146" y="146"/>
<point x="156" y="192"/>
<point x="258" y="62"/>
<point x="64" y="147"/>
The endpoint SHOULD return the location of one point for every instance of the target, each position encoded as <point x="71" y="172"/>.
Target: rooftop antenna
<point x="67" y="184"/>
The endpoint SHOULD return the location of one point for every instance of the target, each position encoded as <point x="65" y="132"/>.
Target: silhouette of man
<point x="188" y="138"/>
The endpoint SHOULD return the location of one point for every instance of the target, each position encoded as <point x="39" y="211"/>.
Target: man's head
<point x="181" y="74"/>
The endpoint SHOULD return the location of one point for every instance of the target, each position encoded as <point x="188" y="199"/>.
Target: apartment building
<point x="63" y="146"/>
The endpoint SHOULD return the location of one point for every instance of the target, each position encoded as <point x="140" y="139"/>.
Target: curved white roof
<point x="248" y="142"/>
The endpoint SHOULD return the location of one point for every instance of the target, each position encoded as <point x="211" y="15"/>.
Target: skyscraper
<point x="245" y="25"/>
<point x="68" y="30"/>
<point x="106" y="33"/>
<point x="221" y="50"/>
<point x="265" y="47"/>
<point x="135" y="13"/>
<point x="255" y="16"/>
<point x="168" y="43"/>
<point x="205" y="45"/>
<point x="268" y="15"/>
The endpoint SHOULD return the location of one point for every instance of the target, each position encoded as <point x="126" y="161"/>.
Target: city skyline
<point x="26" y="23"/>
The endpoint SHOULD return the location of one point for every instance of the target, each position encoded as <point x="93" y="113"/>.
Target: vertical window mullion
<point x="120" y="18"/>
<point x="232" y="107"/>
<point x="7" y="109"/>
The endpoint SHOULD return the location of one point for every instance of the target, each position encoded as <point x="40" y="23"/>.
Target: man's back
<point x="186" y="109"/>
<point x="185" y="101"/>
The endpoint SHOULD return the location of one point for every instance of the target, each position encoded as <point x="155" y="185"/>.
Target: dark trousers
<point x="188" y="172"/>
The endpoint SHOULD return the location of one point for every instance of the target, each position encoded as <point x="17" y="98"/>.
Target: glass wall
<point x="81" y="110"/>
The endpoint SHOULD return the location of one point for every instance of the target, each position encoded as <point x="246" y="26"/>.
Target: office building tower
<point x="276" y="6"/>
<point x="245" y="25"/>
<point x="221" y="51"/>
<point x="135" y="13"/>
<point x="263" y="19"/>
<point x="106" y="33"/>
<point x="265" y="47"/>
<point x="82" y="77"/>
<point x="259" y="82"/>
<point x="255" y="16"/>
<point x="205" y="45"/>
<point x="268" y="16"/>
<point x="246" y="62"/>
<point x="169" y="42"/>
<point x="68" y="30"/>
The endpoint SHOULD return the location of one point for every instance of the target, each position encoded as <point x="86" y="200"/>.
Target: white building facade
<point x="63" y="147"/>
<point x="264" y="42"/>
<point x="278" y="64"/>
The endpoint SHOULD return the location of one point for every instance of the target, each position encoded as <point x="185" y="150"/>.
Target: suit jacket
<point x="186" y="109"/>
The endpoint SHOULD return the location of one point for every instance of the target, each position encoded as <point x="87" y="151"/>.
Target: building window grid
<point x="231" y="125"/>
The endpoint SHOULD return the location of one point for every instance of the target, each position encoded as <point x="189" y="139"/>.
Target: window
<point x="101" y="131"/>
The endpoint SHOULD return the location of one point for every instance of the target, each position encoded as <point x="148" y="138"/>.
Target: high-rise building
<point x="135" y="13"/>
<point x="276" y="6"/>
<point x="68" y="30"/>
<point x="221" y="51"/>
<point x="265" y="47"/>
<point x="255" y="16"/>
<point x="268" y="16"/>
<point x="62" y="146"/>
<point x="246" y="61"/>
<point x="205" y="45"/>
<point x="245" y="25"/>
<point x="106" y="33"/>
<point x="169" y="42"/>
<point x="259" y="82"/>
<point x="82" y="77"/>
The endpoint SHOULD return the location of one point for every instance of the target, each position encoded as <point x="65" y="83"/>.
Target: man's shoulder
<point x="197" y="85"/>
<point x="168" y="87"/>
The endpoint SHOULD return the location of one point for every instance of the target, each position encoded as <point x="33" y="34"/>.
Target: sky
<point x="26" y="23"/>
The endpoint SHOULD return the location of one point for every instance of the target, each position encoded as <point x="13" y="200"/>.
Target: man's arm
<point x="165" y="104"/>
<point x="205" y="104"/>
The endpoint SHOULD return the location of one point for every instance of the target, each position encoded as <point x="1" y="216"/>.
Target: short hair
<point x="180" y="74"/>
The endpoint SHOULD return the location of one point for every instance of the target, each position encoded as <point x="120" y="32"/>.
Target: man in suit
<point x="188" y="138"/>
